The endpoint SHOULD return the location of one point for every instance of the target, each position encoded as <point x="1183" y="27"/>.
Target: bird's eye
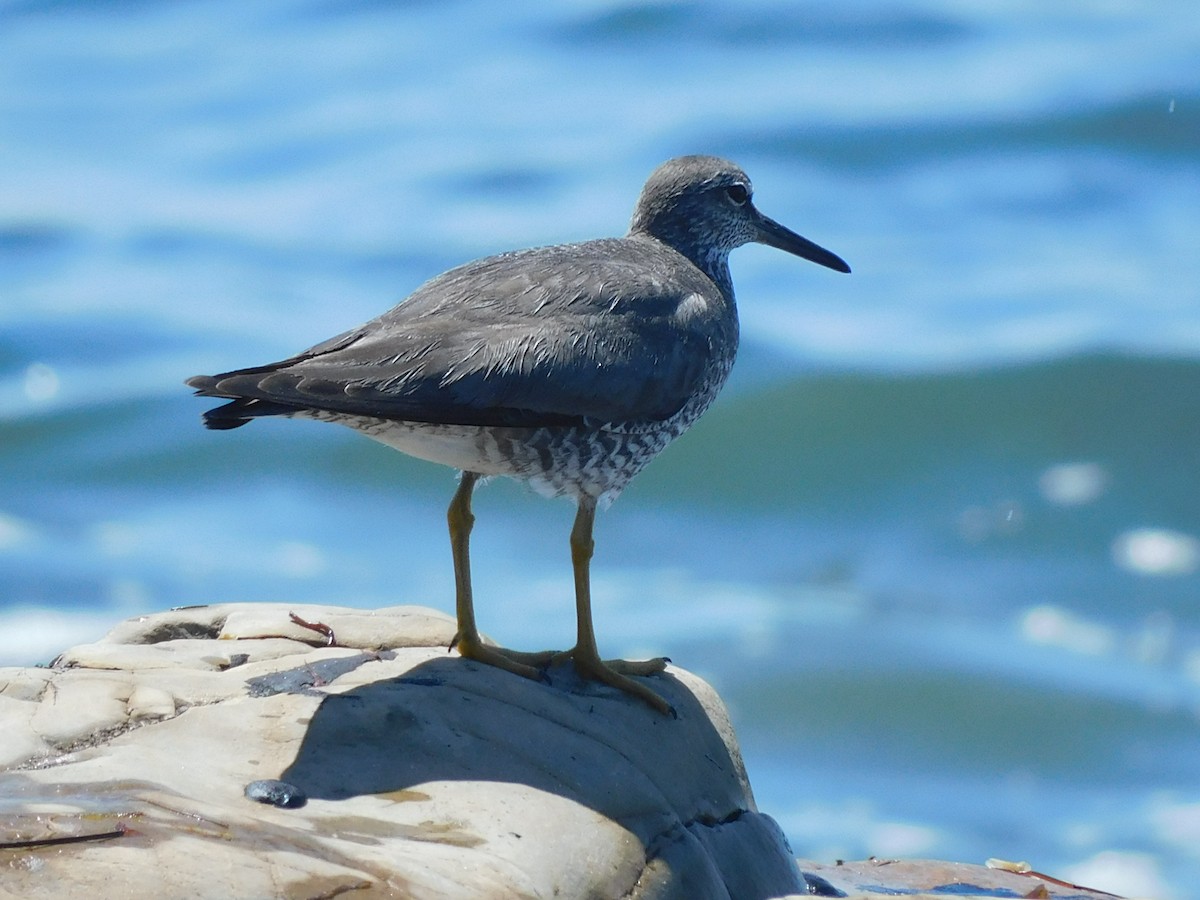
<point x="737" y="194"/>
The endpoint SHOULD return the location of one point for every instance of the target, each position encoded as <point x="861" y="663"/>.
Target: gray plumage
<point x="621" y="336"/>
<point x="569" y="367"/>
<point x="555" y="336"/>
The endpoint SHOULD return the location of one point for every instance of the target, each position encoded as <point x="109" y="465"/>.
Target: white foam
<point x="1057" y="627"/>
<point x="1073" y="484"/>
<point x="14" y="531"/>
<point x="30" y="636"/>
<point x="1177" y="823"/>
<point x="1124" y="873"/>
<point x="1157" y="551"/>
<point x="854" y="828"/>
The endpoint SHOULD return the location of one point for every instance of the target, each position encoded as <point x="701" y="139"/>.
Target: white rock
<point x="426" y="775"/>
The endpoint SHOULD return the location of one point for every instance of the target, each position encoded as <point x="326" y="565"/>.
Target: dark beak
<point x="775" y="235"/>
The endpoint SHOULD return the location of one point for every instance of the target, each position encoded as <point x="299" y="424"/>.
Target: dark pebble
<point x="277" y="793"/>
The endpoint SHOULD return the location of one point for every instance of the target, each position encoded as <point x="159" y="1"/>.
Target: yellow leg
<point x="531" y="665"/>
<point x="587" y="658"/>
<point x="467" y="640"/>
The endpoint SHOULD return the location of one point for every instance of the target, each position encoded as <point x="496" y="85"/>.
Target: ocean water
<point x="938" y="544"/>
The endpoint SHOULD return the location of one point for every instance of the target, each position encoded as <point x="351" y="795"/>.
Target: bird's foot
<point x="527" y="665"/>
<point x="616" y="672"/>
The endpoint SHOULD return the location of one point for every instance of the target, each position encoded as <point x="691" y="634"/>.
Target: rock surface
<point x="385" y="767"/>
<point x="399" y="770"/>
<point x="927" y="879"/>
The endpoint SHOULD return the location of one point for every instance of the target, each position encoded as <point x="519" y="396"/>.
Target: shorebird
<point x="567" y="367"/>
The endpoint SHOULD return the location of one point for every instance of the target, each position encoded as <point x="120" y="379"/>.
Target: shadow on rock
<point x="451" y="719"/>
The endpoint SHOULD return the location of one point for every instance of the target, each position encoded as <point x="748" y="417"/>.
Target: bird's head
<point x="703" y="206"/>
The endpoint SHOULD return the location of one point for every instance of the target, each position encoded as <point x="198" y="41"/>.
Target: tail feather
<point x="223" y="418"/>
<point x="205" y="385"/>
<point x="238" y="411"/>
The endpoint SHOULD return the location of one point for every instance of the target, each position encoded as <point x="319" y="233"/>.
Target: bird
<point x="568" y="367"/>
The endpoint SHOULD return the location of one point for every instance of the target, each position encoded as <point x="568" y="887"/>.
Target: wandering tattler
<point x="568" y="367"/>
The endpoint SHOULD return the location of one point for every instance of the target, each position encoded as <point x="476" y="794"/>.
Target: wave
<point x="1144" y="126"/>
<point x="816" y="438"/>
<point x="826" y="438"/>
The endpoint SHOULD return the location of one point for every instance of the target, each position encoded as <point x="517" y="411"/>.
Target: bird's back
<point x="613" y="331"/>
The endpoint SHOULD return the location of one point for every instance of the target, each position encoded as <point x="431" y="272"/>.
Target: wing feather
<point x="553" y="336"/>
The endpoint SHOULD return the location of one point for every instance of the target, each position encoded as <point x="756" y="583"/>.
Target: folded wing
<point x="538" y="337"/>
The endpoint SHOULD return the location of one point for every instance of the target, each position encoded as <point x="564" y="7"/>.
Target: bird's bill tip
<point x="775" y="235"/>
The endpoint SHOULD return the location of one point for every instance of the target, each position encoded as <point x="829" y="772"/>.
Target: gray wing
<point x="554" y="336"/>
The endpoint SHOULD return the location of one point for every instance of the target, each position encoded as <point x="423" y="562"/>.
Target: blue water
<point x="938" y="545"/>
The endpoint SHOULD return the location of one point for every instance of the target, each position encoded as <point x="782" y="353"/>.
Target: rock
<point x="230" y="751"/>
<point x="937" y="880"/>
